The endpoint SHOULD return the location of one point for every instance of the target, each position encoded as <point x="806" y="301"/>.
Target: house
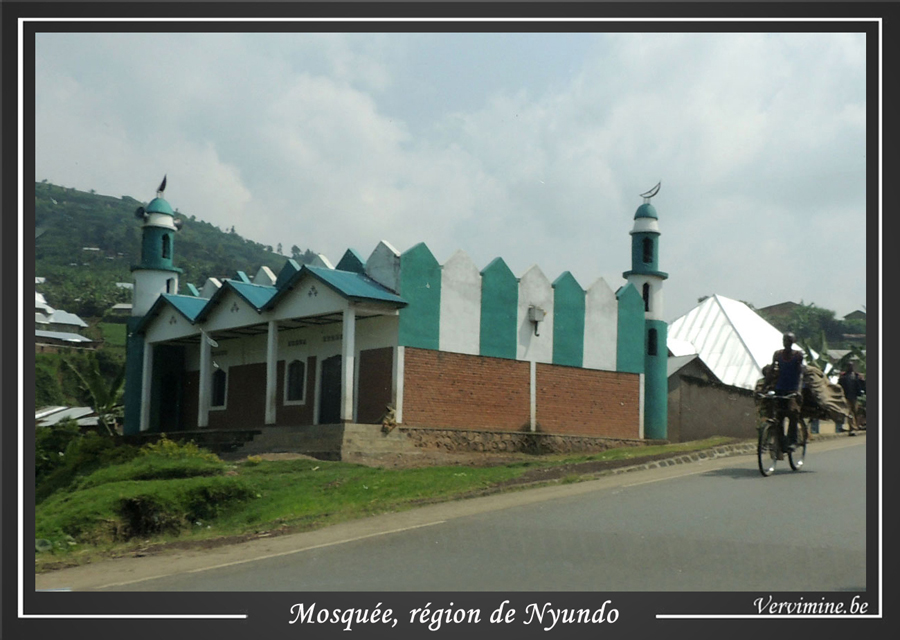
<point x="398" y="338"/>
<point x="717" y="353"/>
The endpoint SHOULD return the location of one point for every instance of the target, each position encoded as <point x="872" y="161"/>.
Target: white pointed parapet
<point x="535" y="317"/>
<point x="460" y="329"/>
<point x="600" y="327"/>
<point x="321" y="261"/>
<point x="210" y="287"/>
<point x="383" y="266"/>
<point x="265" y="277"/>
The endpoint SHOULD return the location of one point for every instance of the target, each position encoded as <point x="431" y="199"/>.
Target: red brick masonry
<point x="461" y="391"/>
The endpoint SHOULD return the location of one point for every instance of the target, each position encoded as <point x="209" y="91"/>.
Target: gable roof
<point x="731" y="339"/>
<point x="348" y="284"/>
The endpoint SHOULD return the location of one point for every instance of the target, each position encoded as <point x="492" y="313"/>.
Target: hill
<point x="83" y="237"/>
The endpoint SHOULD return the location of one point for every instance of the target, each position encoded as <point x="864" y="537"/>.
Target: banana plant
<point x="106" y="397"/>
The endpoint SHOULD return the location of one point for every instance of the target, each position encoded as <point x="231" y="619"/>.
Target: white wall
<point x="535" y="289"/>
<point x="460" y="329"/>
<point x="601" y="327"/>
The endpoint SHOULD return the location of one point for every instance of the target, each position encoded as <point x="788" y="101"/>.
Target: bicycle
<point x="770" y="448"/>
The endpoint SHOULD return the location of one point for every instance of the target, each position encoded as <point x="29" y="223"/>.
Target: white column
<point x="399" y="354"/>
<point x="271" y="371"/>
<point x="641" y="409"/>
<point x="348" y="363"/>
<point x="205" y="381"/>
<point x="533" y="373"/>
<point x="146" y="385"/>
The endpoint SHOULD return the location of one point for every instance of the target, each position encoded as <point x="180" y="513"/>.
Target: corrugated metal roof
<point x="355" y="285"/>
<point x="188" y="306"/>
<point x="61" y="335"/>
<point x="64" y="317"/>
<point x="77" y="413"/>
<point x="256" y="294"/>
<point x="731" y="339"/>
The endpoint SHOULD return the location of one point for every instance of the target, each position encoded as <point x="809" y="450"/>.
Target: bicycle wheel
<point x="767" y="449"/>
<point x="798" y="455"/>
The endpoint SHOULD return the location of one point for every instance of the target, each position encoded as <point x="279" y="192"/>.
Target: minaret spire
<point x="646" y="277"/>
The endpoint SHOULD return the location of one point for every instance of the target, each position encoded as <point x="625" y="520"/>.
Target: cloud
<point x="530" y="147"/>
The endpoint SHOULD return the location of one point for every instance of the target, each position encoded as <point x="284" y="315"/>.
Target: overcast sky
<point x="530" y="147"/>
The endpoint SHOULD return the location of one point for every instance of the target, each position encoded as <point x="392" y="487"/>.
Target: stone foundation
<point x="466" y="441"/>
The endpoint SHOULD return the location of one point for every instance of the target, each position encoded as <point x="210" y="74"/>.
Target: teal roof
<point x="256" y="294"/>
<point x="348" y="284"/>
<point x="354" y="285"/>
<point x="188" y="306"/>
<point x="646" y="210"/>
<point x="158" y="205"/>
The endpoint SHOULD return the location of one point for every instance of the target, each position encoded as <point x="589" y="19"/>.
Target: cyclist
<point x="787" y="365"/>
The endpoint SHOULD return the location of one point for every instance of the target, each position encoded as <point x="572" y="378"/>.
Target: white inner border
<point x="21" y="214"/>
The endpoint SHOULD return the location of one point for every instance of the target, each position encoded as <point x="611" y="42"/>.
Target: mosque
<point x="433" y="346"/>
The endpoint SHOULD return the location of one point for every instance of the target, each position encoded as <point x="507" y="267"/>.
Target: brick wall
<point x="571" y="401"/>
<point x="464" y="391"/>
<point x="475" y="392"/>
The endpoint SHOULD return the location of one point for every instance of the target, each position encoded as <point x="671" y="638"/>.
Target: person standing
<point x="852" y="385"/>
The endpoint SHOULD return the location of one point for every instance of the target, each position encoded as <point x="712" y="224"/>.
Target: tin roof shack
<point x="700" y="406"/>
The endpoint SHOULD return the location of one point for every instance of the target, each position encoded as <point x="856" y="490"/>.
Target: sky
<point x="531" y="147"/>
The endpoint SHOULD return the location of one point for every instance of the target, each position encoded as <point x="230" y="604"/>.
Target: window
<point x="295" y="381"/>
<point x="170" y="285"/>
<point x="646" y="296"/>
<point x="648" y="250"/>
<point x="219" y="387"/>
<point x="651" y="343"/>
<point x="166" y="246"/>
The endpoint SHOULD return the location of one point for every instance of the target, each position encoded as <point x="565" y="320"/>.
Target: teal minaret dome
<point x="156" y="273"/>
<point x="647" y="278"/>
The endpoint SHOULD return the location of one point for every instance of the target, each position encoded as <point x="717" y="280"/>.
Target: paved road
<point x="715" y="525"/>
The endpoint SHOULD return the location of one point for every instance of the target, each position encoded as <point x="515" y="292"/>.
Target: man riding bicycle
<point x="787" y="368"/>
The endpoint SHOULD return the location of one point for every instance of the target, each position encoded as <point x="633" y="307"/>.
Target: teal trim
<point x="157" y="249"/>
<point x="630" y="328"/>
<point x="646" y="210"/>
<point x="568" y="321"/>
<point x="351" y="261"/>
<point x="158" y="205"/>
<point x="287" y="273"/>
<point x="420" y="286"/>
<point x="499" y="310"/>
<point x="194" y="291"/>
<point x="134" y="371"/>
<point x="656" y="383"/>
<point x="242" y="277"/>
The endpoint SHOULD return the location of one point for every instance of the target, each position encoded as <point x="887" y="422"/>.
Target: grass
<point x="171" y="493"/>
<point x="114" y="333"/>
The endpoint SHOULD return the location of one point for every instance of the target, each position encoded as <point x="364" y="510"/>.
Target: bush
<point x="82" y="456"/>
<point x="121" y="511"/>
<point x="50" y="444"/>
<point x="166" y="448"/>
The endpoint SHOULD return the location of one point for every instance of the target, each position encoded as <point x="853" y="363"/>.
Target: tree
<point x="105" y="397"/>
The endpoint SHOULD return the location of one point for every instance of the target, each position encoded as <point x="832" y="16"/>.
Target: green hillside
<point x="68" y="221"/>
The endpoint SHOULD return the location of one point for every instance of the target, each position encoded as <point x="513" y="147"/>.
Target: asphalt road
<point x="714" y="525"/>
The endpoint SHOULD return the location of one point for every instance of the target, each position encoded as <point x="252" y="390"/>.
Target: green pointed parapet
<point x="420" y="286"/>
<point x="630" y="330"/>
<point x="568" y="321"/>
<point x="499" y="310"/>
<point x="351" y="261"/>
<point x="287" y="272"/>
